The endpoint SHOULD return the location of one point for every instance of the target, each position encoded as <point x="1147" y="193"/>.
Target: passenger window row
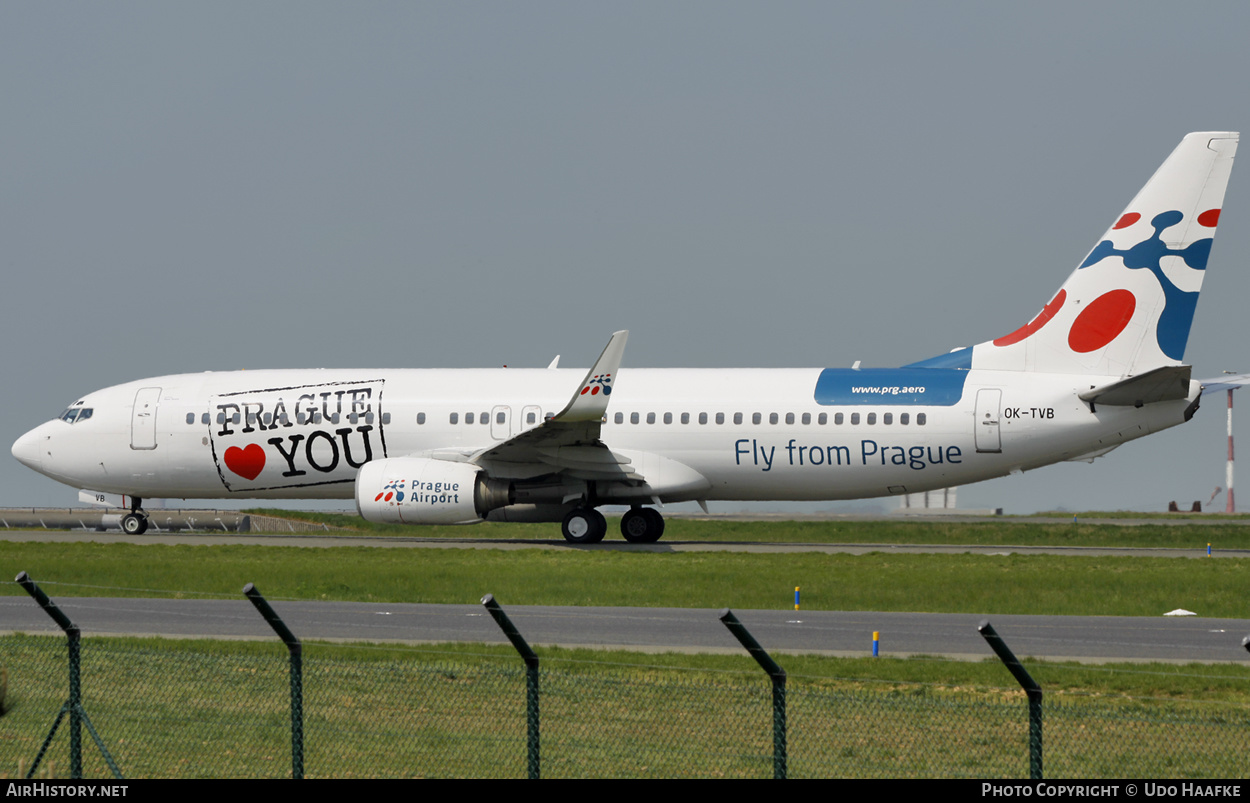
<point x="822" y="419"/>
<point x="501" y="417"/>
<point x="469" y="418"/>
<point x="531" y="418"/>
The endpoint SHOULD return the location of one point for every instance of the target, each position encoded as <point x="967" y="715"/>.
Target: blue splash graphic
<point x="959" y="358"/>
<point x="1172" y="331"/>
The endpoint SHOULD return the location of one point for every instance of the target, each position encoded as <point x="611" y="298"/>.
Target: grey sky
<point x="241" y="185"/>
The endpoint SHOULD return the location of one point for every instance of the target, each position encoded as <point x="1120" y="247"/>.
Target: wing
<point x="568" y="442"/>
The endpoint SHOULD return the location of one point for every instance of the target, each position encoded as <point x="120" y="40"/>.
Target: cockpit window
<point x="75" y="414"/>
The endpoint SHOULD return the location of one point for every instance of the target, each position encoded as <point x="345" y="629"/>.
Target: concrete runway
<point x="413" y="542"/>
<point x="1087" y="639"/>
<point x="1081" y="638"/>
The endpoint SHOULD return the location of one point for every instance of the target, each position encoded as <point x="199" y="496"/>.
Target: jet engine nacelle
<point x="418" y="490"/>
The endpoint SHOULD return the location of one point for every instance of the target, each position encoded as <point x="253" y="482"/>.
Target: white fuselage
<point x="304" y="433"/>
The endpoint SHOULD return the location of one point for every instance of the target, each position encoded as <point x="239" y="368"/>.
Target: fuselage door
<point x="143" y="420"/>
<point x="988" y="438"/>
<point x="501" y="423"/>
<point x="531" y="416"/>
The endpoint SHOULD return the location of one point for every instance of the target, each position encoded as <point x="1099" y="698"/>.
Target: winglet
<point x="590" y="401"/>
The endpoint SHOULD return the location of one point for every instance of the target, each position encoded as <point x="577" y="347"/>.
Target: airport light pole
<point x="1231" y="507"/>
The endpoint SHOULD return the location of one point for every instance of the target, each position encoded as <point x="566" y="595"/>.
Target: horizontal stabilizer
<point x="1233" y="382"/>
<point x="1167" y="383"/>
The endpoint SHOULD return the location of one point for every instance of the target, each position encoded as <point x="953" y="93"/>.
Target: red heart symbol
<point x="247" y="462"/>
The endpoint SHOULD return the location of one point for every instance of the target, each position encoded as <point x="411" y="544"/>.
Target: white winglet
<point x="590" y="401"/>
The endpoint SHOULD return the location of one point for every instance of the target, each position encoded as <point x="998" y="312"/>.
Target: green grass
<point x="1183" y="533"/>
<point x="1229" y="683"/>
<point x="218" y="709"/>
<point x="988" y="584"/>
<point x="1211" y="515"/>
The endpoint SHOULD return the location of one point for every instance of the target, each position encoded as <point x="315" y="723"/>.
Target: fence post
<point x="531" y="680"/>
<point x="1031" y="689"/>
<point x="296" y="651"/>
<point x="778" y="676"/>
<point x="77" y="714"/>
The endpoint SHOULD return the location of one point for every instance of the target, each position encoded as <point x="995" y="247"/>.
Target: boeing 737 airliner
<point x="1101" y="364"/>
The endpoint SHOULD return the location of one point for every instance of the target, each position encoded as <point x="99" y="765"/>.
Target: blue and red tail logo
<point x="1106" y="311"/>
<point x="1105" y="317"/>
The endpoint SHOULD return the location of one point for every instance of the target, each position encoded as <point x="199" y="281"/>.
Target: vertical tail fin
<point x="1128" y="306"/>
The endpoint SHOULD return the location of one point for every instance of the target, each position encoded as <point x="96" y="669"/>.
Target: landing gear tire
<point x="584" y="525"/>
<point x="134" y="524"/>
<point x="642" y="525"/>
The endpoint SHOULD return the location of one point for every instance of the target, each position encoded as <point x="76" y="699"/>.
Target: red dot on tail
<point x="594" y="390"/>
<point x="1128" y="220"/>
<point x="1102" y="321"/>
<point x="584" y="390"/>
<point x="1209" y="218"/>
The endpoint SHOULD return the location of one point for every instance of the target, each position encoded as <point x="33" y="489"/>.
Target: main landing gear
<point x="642" y="525"/>
<point x="136" y="521"/>
<point x="585" y="525"/>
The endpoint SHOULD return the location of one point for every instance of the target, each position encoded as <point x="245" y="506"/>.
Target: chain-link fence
<point x="222" y="709"/>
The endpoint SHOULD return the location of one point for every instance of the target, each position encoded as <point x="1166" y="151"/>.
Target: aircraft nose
<point x="27" y="449"/>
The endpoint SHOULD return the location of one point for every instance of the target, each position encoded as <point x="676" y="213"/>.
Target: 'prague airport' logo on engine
<point x="394" y="488"/>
